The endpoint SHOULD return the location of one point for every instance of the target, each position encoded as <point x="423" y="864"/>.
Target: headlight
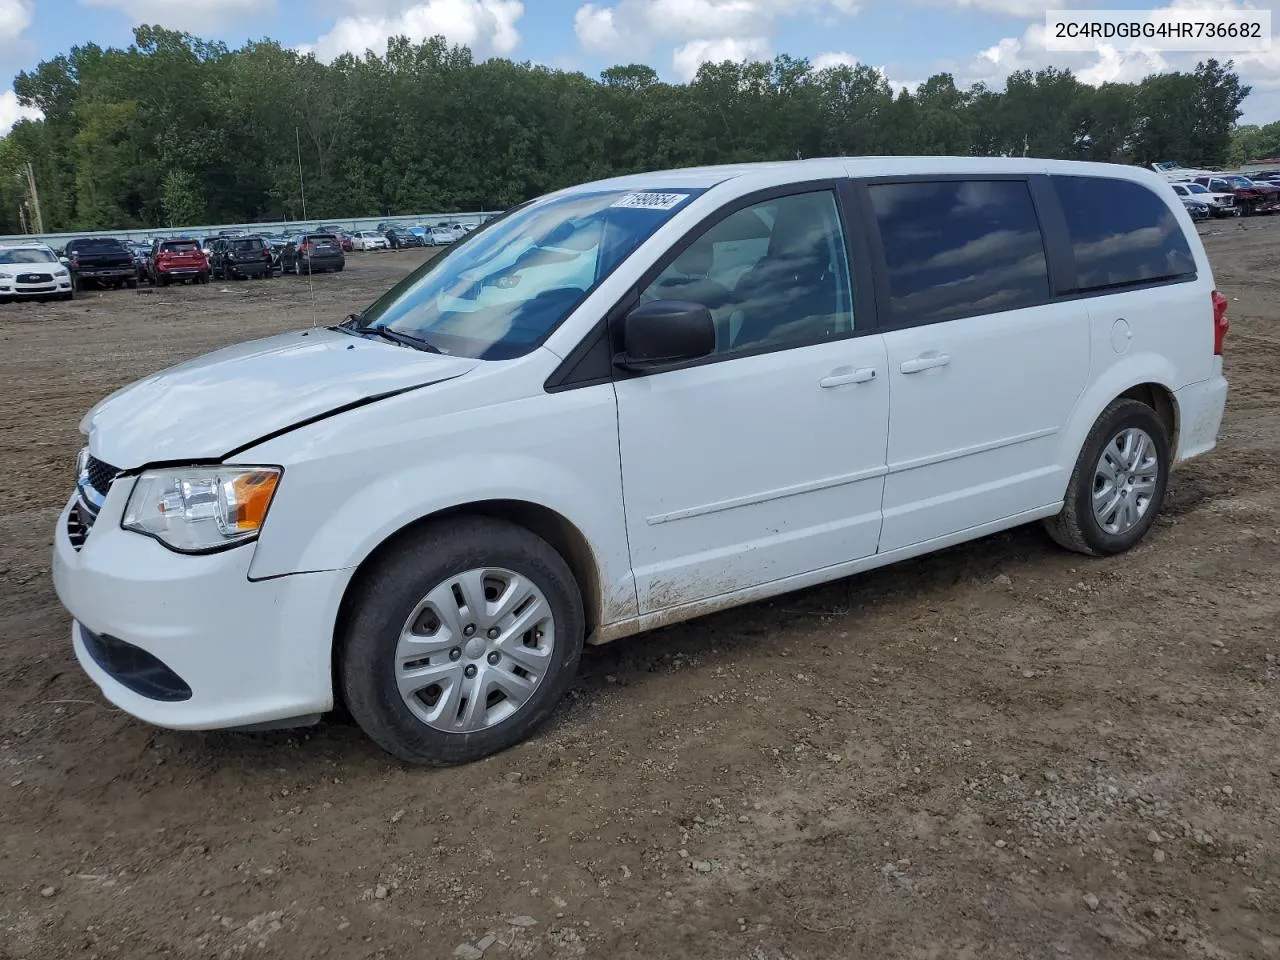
<point x="5" y="276"/>
<point x="196" y="509"/>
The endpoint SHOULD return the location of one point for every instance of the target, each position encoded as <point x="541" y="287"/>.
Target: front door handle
<point x="840" y="378"/>
<point x="920" y="364"/>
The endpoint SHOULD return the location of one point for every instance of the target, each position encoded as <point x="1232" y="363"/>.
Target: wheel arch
<point x="1145" y="377"/>
<point x="1162" y="400"/>
<point x="557" y="530"/>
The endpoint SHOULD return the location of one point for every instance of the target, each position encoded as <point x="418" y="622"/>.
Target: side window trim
<point x="885" y="319"/>
<point x="588" y="364"/>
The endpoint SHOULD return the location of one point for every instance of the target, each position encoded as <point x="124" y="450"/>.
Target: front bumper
<point x="58" y="285"/>
<point x="250" y="652"/>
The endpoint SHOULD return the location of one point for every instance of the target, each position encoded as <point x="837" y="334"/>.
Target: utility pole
<point x="22" y="215"/>
<point x="35" y="198"/>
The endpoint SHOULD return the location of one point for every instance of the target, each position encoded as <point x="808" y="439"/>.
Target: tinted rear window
<point x="957" y="248"/>
<point x="98" y="246"/>
<point x="246" y="245"/>
<point x="180" y="246"/>
<point x="322" y="238"/>
<point x="1121" y="233"/>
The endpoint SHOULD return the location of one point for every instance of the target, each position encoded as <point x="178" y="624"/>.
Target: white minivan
<point x="626" y="404"/>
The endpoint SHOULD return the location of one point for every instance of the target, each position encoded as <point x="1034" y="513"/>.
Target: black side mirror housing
<point x="663" y="333"/>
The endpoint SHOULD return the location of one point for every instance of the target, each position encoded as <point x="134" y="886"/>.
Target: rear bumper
<point x="106" y="273"/>
<point x="1200" y="409"/>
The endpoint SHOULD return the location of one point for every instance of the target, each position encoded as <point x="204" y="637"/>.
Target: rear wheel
<point x="162" y="280"/>
<point x="461" y="642"/>
<point x="1118" y="484"/>
<point x="132" y="283"/>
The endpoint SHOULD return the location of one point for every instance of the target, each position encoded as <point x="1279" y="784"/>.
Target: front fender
<point x="352" y="481"/>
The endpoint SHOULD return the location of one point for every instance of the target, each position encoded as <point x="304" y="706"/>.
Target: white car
<point x="441" y="236"/>
<point x="622" y="406"/>
<point x="32" y="271"/>
<point x="369" y="240"/>
<point x="1220" y="204"/>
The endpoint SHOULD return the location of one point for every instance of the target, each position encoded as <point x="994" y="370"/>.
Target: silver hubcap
<point x="1125" y="480"/>
<point x="474" y="650"/>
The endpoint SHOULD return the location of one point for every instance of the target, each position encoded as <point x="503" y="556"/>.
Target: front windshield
<point x="26" y="256"/>
<point x="501" y="291"/>
<point x="1197" y="188"/>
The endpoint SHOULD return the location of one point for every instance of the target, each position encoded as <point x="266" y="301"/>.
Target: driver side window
<point x="773" y="275"/>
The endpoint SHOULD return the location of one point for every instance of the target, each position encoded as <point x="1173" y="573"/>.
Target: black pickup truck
<point x="103" y="260"/>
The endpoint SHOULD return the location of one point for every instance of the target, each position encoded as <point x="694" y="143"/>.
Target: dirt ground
<point x="1003" y="750"/>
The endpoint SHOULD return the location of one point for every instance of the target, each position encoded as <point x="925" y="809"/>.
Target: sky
<point x="909" y="40"/>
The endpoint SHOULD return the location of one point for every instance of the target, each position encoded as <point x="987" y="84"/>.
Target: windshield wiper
<point x="352" y="325"/>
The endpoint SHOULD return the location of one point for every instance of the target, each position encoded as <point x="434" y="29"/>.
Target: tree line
<point x="175" y="130"/>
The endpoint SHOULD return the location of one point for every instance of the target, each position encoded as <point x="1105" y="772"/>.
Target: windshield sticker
<point x="652" y="201"/>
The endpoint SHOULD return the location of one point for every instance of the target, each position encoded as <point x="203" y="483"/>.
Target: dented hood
<point x="208" y="407"/>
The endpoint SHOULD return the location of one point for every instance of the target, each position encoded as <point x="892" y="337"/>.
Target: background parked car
<point x="441" y="236"/>
<point x="101" y="260"/>
<point x="275" y="244"/>
<point x="1220" y="204"/>
<point x="1198" y="209"/>
<point x="32" y="271"/>
<point x="177" y="260"/>
<point x="141" y="259"/>
<point x="241" y="258"/>
<point x="313" y="253"/>
<point x="369" y="240"/>
<point x="1250" y="197"/>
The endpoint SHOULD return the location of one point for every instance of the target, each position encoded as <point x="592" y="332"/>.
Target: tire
<point x="162" y="280"/>
<point x="1078" y="526"/>
<point x="203" y="278"/>
<point x="69" y="295"/>
<point x="391" y="597"/>
<point x="339" y="268"/>
<point x="132" y="284"/>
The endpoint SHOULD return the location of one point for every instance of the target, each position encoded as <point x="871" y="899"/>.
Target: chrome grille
<point x="100" y="475"/>
<point x="92" y="484"/>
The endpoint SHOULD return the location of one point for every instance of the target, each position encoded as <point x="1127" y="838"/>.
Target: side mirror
<point x="64" y="261"/>
<point x="663" y="333"/>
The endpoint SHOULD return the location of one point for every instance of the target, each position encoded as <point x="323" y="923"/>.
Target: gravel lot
<point x="1003" y="750"/>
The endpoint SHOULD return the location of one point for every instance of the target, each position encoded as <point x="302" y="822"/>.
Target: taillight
<point x="304" y="248"/>
<point x="1220" y="322"/>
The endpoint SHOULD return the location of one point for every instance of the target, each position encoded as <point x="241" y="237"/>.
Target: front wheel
<point x="461" y="641"/>
<point x="1118" y="484"/>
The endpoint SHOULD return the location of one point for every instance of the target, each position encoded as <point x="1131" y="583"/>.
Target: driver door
<point x="766" y="460"/>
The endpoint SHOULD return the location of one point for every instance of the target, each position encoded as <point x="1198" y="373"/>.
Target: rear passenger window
<point x="956" y="248"/>
<point x="1121" y="233"/>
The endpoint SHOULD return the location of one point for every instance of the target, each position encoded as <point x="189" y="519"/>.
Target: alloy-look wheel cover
<point x="474" y="650"/>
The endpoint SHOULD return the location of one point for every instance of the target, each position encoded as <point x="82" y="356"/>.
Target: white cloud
<point x="688" y="58"/>
<point x="694" y="27"/>
<point x="198" y="16"/>
<point x="595" y="29"/>
<point x="834" y="59"/>
<point x="488" y="27"/>
<point x="11" y="111"/>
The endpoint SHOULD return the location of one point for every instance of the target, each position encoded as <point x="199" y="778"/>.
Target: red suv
<point x="176" y="260"/>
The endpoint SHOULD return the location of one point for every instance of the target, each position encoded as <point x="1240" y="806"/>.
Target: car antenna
<point x="311" y="285"/>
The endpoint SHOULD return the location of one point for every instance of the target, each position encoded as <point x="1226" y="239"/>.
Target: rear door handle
<point x="861" y="375"/>
<point x="920" y="364"/>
